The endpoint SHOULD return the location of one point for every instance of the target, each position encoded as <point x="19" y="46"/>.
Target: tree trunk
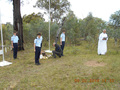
<point x="17" y="23"/>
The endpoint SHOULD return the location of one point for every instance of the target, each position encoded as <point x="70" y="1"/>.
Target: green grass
<point x="62" y="73"/>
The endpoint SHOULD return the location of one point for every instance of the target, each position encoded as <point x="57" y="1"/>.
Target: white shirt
<point x="14" y="39"/>
<point x="41" y="38"/>
<point x="37" y="42"/>
<point x="62" y="36"/>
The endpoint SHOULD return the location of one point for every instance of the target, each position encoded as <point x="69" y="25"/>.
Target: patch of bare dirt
<point x="95" y="64"/>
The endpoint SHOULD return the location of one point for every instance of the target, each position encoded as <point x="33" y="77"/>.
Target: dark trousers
<point x="37" y="54"/>
<point x="15" y="49"/>
<point x="56" y="53"/>
<point x="62" y="46"/>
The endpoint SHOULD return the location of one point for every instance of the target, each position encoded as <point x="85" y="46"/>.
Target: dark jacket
<point x="57" y="48"/>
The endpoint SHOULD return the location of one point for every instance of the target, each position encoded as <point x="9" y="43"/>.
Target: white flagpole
<point x="3" y="63"/>
<point x="49" y="24"/>
<point x="1" y="35"/>
<point x="48" y="51"/>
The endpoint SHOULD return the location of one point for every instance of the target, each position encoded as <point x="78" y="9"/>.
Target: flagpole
<point x="3" y="63"/>
<point x="49" y="24"/>
<point x="49" y="20"/>
<point x="1" y="35"/>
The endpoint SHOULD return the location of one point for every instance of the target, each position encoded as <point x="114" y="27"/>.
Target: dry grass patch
<point x="95" y="64"/>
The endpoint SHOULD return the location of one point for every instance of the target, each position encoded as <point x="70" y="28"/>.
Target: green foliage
<point x="114" y="25"/>
<point x="33" y="16"/>
<point x="86" y="29"/>
<point x="34" y="26"/>
<point x="115" y="19"/>
<point x="57" y="8"/>
<point x="7" y="33"/>
<point x="31" y="29"/>
<point x="91" y="26"/>
<point x="72" y="27"/>
<point x="77" y="30"/>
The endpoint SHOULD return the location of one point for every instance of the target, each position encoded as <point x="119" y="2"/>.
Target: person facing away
<point x="14" y="43"/>
<point x="57" y="51"/>
<point x="62" y="41"/>
<point x="102" y="43"/>
<point x="37" y="48"/>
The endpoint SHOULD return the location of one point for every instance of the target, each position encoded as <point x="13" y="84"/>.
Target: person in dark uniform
<point x="37" y="48"/>
<point x="57" y="51"/>
<point x="14" y="43"/>
<point x="62" y="41"/>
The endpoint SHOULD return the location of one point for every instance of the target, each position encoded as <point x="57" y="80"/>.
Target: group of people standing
<point x="58" y="50"/>
<point x="38" y="45"/>
<point x="102" y="45"/>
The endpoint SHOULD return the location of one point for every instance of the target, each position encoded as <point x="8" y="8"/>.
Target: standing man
<point x="37" y="48"/>
<point x="62" y="41"/>
<point x="102" y="43"/>
<point x="14" y="43"/>
<point x="57" y="51"/>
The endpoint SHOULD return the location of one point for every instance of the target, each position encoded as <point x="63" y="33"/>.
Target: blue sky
<point x="99" y="8"/>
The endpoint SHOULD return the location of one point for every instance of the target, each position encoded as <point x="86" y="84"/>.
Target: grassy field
<point x="80" y="69"/>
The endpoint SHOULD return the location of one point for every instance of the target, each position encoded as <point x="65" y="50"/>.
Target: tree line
<point x="77" y="30"/>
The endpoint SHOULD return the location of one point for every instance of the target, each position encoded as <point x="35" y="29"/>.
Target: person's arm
<point x="60" y="41"/>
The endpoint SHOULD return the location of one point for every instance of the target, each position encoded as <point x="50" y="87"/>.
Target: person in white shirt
<point x="37" y="48"/>
<point x="41" y="40"/>
<point x="102" y="43"/>
<point x="14" y="43"/>
<point x="62" y="41"/>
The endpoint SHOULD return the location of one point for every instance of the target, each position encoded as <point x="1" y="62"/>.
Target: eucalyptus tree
<point x="57" y="8"/>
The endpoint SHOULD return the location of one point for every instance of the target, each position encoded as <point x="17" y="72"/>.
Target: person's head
<point x="54" y="44"/>
<point x="14" y="33"/>
<point x="39" y="35"/>
<point x="104" y="30"/>
<point x="63" y="31"/>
